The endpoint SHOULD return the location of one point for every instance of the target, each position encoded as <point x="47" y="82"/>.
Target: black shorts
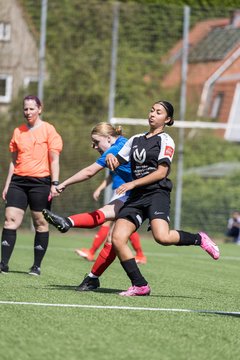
<point x="26" y="190"/>
<point x="150" y="206"/>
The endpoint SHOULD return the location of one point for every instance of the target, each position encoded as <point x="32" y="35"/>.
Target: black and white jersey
<point x="145" y="154"/>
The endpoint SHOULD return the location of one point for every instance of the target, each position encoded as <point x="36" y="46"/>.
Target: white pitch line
<point x="121" y="308"/>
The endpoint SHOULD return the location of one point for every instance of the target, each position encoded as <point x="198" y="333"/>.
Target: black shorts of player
<point x="154" y="205"/>
<point x="26" y="190"/>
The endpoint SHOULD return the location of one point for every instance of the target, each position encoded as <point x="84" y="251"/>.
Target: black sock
<point x="40" y="246"/>
<point x="8" y="242"/>
<point x="187" y="238"/>
<point x="133" y="272"/>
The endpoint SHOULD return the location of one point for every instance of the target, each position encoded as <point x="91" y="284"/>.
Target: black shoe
<point x="3" y="268"/>
<point x="35" y="270"/>
<point x="61" y="223"/>
<point x="88" y="284"/>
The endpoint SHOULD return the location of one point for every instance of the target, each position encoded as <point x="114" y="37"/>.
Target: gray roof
<point x="216" y="45"/>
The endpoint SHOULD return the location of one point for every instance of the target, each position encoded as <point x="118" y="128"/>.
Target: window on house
<point x="30" y="83"/>
<point x="5" y="88"/>
<point x="5" y="31"/>
<point x="217" y="102"/>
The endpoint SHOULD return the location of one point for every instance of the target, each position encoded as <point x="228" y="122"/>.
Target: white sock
<point x="91" y="275"/>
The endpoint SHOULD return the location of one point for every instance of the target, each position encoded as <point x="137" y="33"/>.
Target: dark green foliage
<point x="208" y="149"/>
<point x="209" y="198"/>
<point x="76" y="93"/>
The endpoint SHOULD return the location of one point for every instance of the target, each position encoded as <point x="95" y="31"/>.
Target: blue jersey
<point x="116" y="180"/>
<point x="124" y="170"/>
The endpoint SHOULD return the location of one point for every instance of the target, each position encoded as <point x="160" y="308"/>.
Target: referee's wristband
<point x="55" y="183"/>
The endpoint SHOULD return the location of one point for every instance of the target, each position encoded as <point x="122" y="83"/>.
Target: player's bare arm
<point x="80" y="176"/>
<point x="155" y="176"/>
<point x="112" y="162"/>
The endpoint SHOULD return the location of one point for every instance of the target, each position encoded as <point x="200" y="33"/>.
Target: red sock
<point x="88" y="220"/>
<point x="106" y="256"/>
<point x="99" y="238"/>
<point x="136" y="244"/>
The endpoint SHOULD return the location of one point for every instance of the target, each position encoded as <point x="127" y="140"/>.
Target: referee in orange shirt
<point x="32" y="177"/>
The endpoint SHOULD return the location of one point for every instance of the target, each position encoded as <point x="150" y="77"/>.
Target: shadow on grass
<point x="73" y="287"/>
<point x="212" y="312"/>
<point x="18" y="272"/>
<point x="115" y="291"/>
<point x="177" y="296"/>
<point x="226" y="314"/>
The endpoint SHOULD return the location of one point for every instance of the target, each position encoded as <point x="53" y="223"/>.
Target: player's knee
<point x="116" y="241"/>
<point x="161" y="239"/>
<point x="12" y="222"/>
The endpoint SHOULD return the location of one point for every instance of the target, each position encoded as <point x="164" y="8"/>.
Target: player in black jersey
<point x="150" y="155"/>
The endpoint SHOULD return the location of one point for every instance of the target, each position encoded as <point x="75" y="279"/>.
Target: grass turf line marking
<point x="121" y="308"/>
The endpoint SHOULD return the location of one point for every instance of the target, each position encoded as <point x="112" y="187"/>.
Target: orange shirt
<point x="33" y="146"/>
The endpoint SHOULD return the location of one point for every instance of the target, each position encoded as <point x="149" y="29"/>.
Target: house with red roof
<point x="213" y="78"/>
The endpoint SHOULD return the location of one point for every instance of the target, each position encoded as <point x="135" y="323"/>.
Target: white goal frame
<point x="177" y="123"/>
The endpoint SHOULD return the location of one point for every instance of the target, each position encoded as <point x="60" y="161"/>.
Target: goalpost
<point x="177" y="124"/>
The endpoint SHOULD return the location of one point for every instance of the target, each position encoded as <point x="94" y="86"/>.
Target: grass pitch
<point x="192" y="313"/>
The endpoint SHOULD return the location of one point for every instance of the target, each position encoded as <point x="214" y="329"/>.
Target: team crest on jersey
<point x="169" y="151"/>
<point x="139" y="158"/>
